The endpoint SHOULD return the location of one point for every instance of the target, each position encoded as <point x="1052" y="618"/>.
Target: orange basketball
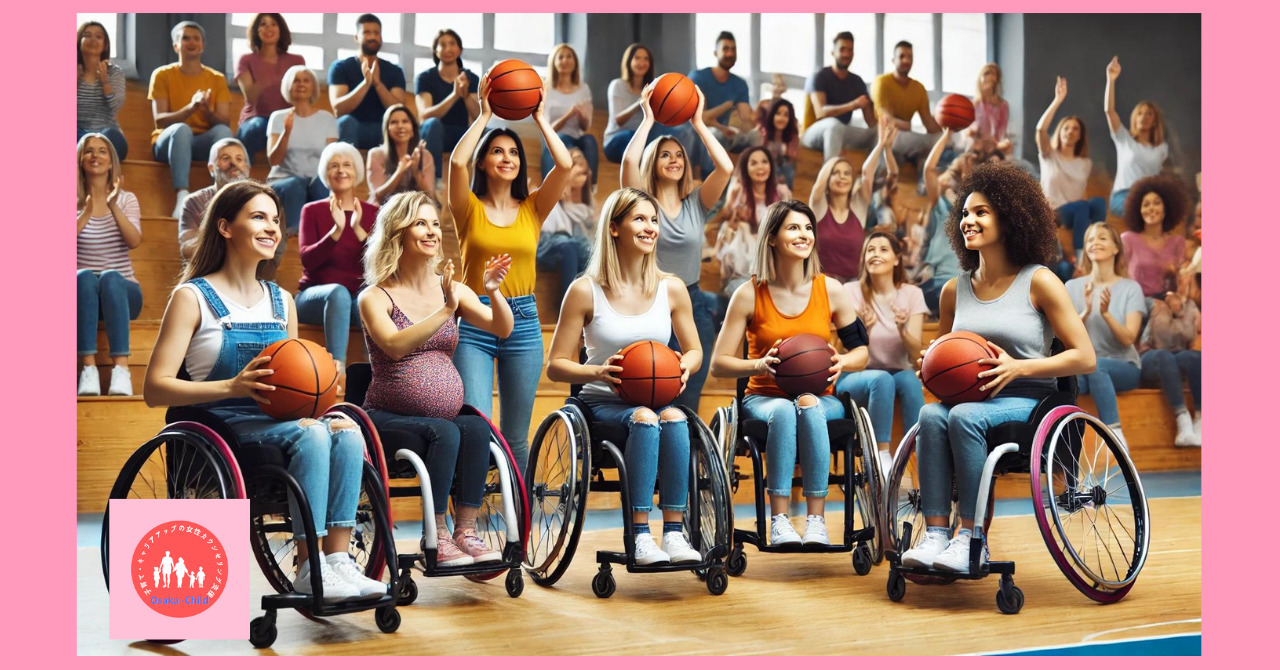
<point x="674" y="99"/>
<point x="650" y="375"/>
<point x="954" y="111"/>
<point x="805" y="366"/>
<point x="951" y="367"/>
<point x="514" y="89"/>
<point x="305" y="377"/>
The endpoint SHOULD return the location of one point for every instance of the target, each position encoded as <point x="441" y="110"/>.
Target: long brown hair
<point x="749" y="190"/>
<point x="211" y="246"/>
<point x="1157" y="126"/>
<point x="864" y="275"/>
<point x="106" y="41"/>
<point x="765" y="268"/>
<point x="626" y="64"/>
<point x="392" y="158"/>
<point x="82" y="182"/>
<point x="553" y="75"/>
<point x="286" y="38"/>
<point x="1082" y="144"/>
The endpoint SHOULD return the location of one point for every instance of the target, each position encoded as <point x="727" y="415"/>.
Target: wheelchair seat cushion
<point x="611" y="431"/>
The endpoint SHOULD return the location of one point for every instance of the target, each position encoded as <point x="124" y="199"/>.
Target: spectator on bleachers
<point x="108" y="225"/>
<point x="662" y="169"/>
<point x="1189" y="273"/>
<point x="298" y="135"/>
<point x="752" y="189"/>
<point x="565" y="241"/>
<point x="1141" y="149"/>
<point x="1064" y="172"/>
<point x="842" y="204"/>
<point x="991" y="111"/>
<point x="1154" y="207"/>
<point x="569" y="108"/>
<point x="835" y="93"/>
<point x="1167" y="358"/>
<point x="447" y="97"/>
<point x="191" y="106"/>
<point x="1112" y="307"/>
<point x="259" y="75"/>
<point x="938" y="263"/>
<point x="777" y="125"/>
<point x="228" y="162"/>
<point x="100" y="88"/>
<point x="398" y="165"/>
<point x="625" y="103"/>
<point x="898" y="94"/>
<point x="362" y="87"/>
<point x="726" y="93"/>
<point x="331" y="241"/>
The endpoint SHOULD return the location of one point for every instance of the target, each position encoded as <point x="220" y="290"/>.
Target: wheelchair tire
<point x="724" y="428"/>
<point x="387" y="618"/>
<point x="737" y="563"/>
<point x="862" y="559"/>
<point x="869" y="497"/>
<point x="407" y="592"/>
<point x="903" y="505"/>
<point x="717" y="581"/>
<point x="490" y="522"/>
<point x="896" y="587"/>
<point x="262" y="632"/>
<point x="515" y="583"/>
<point x="1009" y="598"/>
<point x="713" y="501"/>
<point x="603" y="584"/>
<point x="557" y="481"/>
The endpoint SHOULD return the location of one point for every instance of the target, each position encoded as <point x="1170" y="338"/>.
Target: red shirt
<point x="325" y="261"/>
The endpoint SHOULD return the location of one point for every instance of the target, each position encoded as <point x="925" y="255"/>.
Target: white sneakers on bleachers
<point x="90" y="382"/>
<point x="121" y="382"/>
<point x="1187" y="435"/>
<point x="182" y="200"/>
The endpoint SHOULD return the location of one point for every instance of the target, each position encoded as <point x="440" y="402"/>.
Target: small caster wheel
<point x="262" y="632"/>
<point x="515" y="582"/>
<point x="1009" y="599"/>
<point x="897" y="586"/>
<point x="387" y="618"/>
<point x="408" y="591"/>
<point x="717" y="580"/>
<point x="603" y="585"/>
<point x="737" y="563"/>
<point x="862" y="559"/>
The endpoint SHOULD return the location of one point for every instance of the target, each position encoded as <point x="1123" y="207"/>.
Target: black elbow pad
<point x="853" y="335"/>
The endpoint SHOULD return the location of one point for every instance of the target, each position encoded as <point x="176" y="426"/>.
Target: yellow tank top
<point x="769" y="325"/>
<point x="480" y="240"/>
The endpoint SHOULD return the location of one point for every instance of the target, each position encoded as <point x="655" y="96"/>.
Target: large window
<point x="706" y="27"/>
<point x="863" y="27"/>
<point x="918" y="30"/>
<point x="786" y="43"/>
<point x="964" y="51"/>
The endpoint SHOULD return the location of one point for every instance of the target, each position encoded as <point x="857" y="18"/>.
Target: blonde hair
<point x="989" y="67"/>
<point x="765" y="268"/>
<point x="1082" y="144"/>
<point x="82" y="183"/>
<point x="553" y="73"/>
<point x="385" y="245"/>
<point x="341" y="149"/>
<point x="286" y="82"/>
<point x="211" y="246"/>
<point x="1086" y="263"/>
<point x="1157" y="127"/>
<point x="604" y="266"/>
<point x="649" y="167"/>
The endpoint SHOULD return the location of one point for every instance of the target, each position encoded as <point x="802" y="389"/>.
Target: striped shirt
<point x="94" y="111"/>
<point x="100" y="246"/>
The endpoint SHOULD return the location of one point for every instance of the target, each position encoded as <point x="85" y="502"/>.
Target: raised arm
<point x="1109" y="100"/>
<point x="868" y="177"/>
<point x="630" y="174"/>
<point x="818" y="194"/>
<point x="1043" y="142"/>
<point x="713" y="185"/>
<point x="459" y="173"/>
<point x="932" y="190"/>
<point x="553" y="185"/>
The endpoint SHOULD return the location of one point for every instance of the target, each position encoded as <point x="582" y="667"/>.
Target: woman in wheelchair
<point x="223" y="312"/>
<point x="410" y="326"/>
<point x="624" y="298"/>
<point x="789" y="296"/>
<point x="1003" y="232"/>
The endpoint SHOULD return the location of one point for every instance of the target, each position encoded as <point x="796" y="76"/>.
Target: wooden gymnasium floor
<point x="783" y="605"/>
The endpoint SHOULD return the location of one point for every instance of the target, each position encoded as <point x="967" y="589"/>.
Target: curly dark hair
<point x="1026" y="220"/>
<point x="1176" y="203"/>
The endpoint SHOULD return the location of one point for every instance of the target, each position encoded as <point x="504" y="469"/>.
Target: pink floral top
<point x="423" y="383"/>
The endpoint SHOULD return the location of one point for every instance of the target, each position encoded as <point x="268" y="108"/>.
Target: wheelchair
<point x="197" y="456"/>
<point x="567" y="458"/>
<point x="503" y="520"/>
<point x="1087" y="499"/>
<point x="853" y="447"/>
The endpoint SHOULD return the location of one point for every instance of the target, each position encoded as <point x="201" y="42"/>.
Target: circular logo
<point x="179" y="569"/>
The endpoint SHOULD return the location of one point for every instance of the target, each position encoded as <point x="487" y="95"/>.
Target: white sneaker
<point x="121" y="382"/>
<point x="346" y="568"/>
<point x="886" y="466"/>
<point x="647" y="551"/>
<point x="955" y="558"/>
<point x="677" y="547"/>
<point x="927" y="549"/>
<point x="181" y="201"/>
<point x="815" y="530"/>
<point x="782" y="532"/>
<point x="1187" y="436"/>
<point x="335" y="587"/>
<point x="90" y="381"/>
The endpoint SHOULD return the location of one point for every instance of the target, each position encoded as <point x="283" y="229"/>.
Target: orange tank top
<point x="769" y="325"/>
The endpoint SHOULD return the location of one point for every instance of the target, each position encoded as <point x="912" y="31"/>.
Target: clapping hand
<point x="495" y="270"/>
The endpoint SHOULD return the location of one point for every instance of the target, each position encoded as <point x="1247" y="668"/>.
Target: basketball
<point x="514" y="89"/>
<point x="805" y="366"/>
<point x="950" y="369"/>
<point x="954" y="111"/>
<point x="305" y="377"/>
<point x="674" y="99"/>
<point x="650" y="375"/>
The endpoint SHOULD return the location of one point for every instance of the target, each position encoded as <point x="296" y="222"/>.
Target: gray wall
<point x="155" y="46"/>
<point x="602" y="38"/>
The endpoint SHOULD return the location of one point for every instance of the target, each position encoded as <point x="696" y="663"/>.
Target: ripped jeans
<point x="796" y="431"/>
<point x="661" y="444"/>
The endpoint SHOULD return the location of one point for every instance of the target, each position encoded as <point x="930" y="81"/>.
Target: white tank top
<point x="206" y="343"/>
<point x="610" y="331"/>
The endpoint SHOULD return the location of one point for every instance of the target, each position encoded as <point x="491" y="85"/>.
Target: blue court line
<point x="1165" y="645"/>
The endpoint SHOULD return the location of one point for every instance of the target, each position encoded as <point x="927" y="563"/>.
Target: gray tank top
<point x="1011" y="322"/>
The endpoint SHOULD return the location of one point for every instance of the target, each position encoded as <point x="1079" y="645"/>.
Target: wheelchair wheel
<point x="903" y="506"/>
<point x="868" y="499"/>
<point x="1090" y="505"/>
<point x="557" y="482"/>
<point x="491" y="525"/>
<point x="724" y="428"/>
<point x="714" y="508"/>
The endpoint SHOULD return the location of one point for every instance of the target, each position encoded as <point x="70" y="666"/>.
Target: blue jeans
<point x="457" y="454"/>
<point x="790" y="426"/>
<point x="360" y="134"/>
<point x="252" y="133"/>
<point x="616" y="145"/>
<point x="587" y="144"/>
<point x="704" y="312"/>
<point x="177" y="146"/>
<point x="113" y="298"/>
<point x="518" y="359"/>
<point x="1117" y="201"/>
<point x="441" y="138"/>
<point x="1079" y="215"/>
<point x="651" y="447"/>
<point x="952" y="440"/>
<point x="295" y="192"/>
<point x="1166" y="369"/>
<point x="331" y="306"/>
<point x="328" y="463"/>
<point x="113" y="135"/>
<point x="876" y="390"/>
<point x="566" y="253"/>
<point x="1112" y="376"/>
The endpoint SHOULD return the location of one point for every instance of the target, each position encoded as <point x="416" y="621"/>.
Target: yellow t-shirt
<point x="903" y="102"/>
<point x="169" y="83"/>
<point x="481" y="240"/>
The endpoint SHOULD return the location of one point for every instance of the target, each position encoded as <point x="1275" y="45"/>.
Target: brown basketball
<point x="674" y="99"/>
<point x="305" y="377"/>
<point x="954" y="111"/>
<point x="514" y="89"/>
<point x="950" y="369"/>
<point x="805" y="366"/>
<point x="650" y="375"/>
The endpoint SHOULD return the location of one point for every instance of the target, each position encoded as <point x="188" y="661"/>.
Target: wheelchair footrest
<point x="315" y="607"/>
<point x="991" y="568"/>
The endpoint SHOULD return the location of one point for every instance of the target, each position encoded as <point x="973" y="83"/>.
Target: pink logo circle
<point x="179" y="569"/>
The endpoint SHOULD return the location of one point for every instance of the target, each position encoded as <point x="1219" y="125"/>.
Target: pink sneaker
<point x="473" y="545"/>
<point x="448" y="553"/>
